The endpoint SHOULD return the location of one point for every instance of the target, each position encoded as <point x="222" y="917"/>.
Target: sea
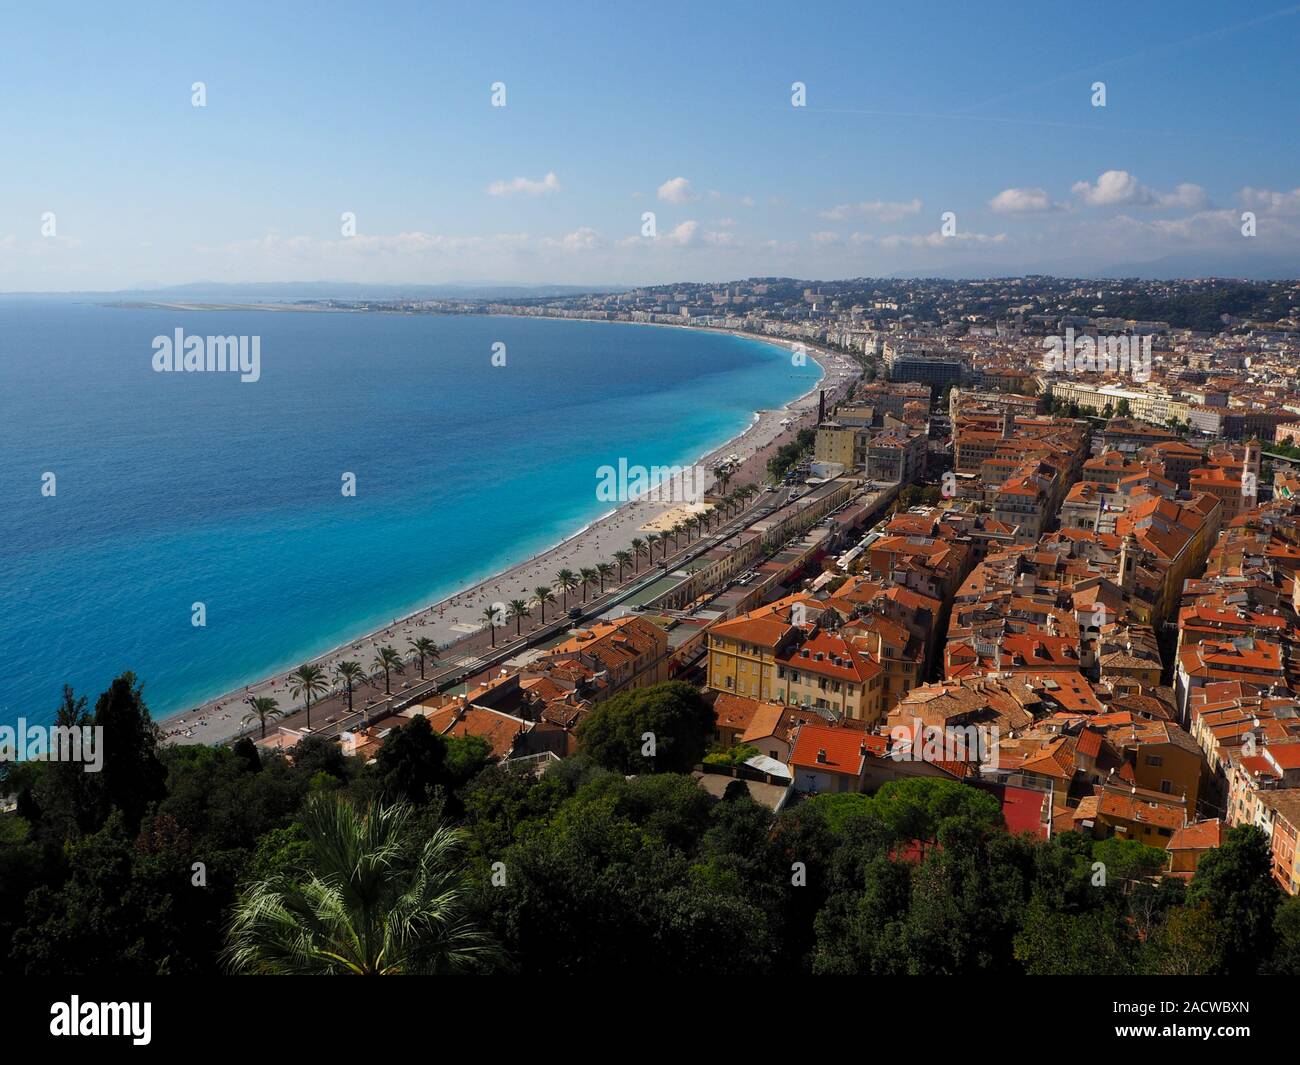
<point x="377" y="463"/>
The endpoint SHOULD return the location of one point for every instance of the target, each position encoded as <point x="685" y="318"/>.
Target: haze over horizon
<point x="311" y="114"/>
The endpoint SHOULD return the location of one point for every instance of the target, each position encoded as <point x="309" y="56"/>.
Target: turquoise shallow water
<point x="176" y="488"/>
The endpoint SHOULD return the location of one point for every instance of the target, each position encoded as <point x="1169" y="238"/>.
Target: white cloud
<point x="880" y="210"/>
<point x="688" y="234"/>
<point x="1022" y="201"/>
<point x="1113" y="187"/>
<point x="825" y="236"/>
<point x="1120" y="188"/>
<point x="584" y="238"/>
<point x="525" y="186"/>
<point x="1203" y="227"/>
<point x="938" y="240"/>
<point x="1187" y="196"/>
<point x="676" y="190"/>
<point x="1267" y="200"/>
<point x="684" y="233"/>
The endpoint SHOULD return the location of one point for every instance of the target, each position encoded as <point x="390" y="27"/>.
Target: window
<point x="1155" y="760"/>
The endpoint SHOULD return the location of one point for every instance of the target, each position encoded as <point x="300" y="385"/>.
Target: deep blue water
<point x="176" y="488"/>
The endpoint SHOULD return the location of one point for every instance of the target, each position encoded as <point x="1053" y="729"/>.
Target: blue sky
<point x="384" y="110"/>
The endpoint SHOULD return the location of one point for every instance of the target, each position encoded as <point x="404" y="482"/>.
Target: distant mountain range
<point x="1273" y="266"/>
<point x="212" y="291"/>
<point x="1190" y="265"/>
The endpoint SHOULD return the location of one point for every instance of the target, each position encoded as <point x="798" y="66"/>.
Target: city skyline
<point x="313" y="128"/>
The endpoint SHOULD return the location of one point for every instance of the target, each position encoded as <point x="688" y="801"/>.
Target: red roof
<point x="842" y="749"/>
<point x="1022" y="808"/>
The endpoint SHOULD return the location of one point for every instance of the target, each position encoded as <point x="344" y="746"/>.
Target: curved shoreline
<point x="219" y="718"/>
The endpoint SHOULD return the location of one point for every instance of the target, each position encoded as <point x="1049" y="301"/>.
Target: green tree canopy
<point x="672" y="719"/>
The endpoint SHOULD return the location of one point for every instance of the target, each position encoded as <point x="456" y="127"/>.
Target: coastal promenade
<point x="456" y="624"/>
<point x="477" y="653"/>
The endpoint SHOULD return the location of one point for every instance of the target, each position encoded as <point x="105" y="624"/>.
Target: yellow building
<point x="742" y="655"/>
<point x="831" y="673"/>
<point x="836" y="443"/>
<point x="765" y="657"/>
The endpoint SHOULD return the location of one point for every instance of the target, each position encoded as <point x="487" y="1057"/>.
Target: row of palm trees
<point x="567" y="581"/>
<point x="310" y="681"/>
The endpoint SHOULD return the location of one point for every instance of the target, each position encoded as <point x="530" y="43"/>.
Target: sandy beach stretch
<point x="459" y="615"/>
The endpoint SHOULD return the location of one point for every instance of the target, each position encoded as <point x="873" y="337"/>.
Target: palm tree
<point x="588" y="577"/>
<point x="624" y="558"/>
<point x="676" y="532"/>
<point x="372" y="899"/>
<point x="519" y="610"/>
<point x="567" y="580"/>
<point x="307" y="682"/>
<point x="650" y="541"/>
<point x="692" y="526"/>
<point x="387" y="659"/>
<point x="264" y="709"/>
<point x="425" y="648"/>
<point x="351" y="674"/>
<point x="723" y="474"/>
<point x="489" y="617"/>
<point x="541" y="596"/>
<point x="604" y="571"/>
<point x="638" y="549"/>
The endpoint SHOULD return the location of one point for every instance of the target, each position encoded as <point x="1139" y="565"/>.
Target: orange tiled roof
<point x="843" y="749"/>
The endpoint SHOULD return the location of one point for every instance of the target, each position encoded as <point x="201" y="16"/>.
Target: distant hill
<point x="223" y="292"/>
<point x="1245" y="266"/>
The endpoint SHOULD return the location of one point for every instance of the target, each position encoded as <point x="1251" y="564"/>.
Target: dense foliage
<point x="191" y="859"/>
<point x="789" y="455"/>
